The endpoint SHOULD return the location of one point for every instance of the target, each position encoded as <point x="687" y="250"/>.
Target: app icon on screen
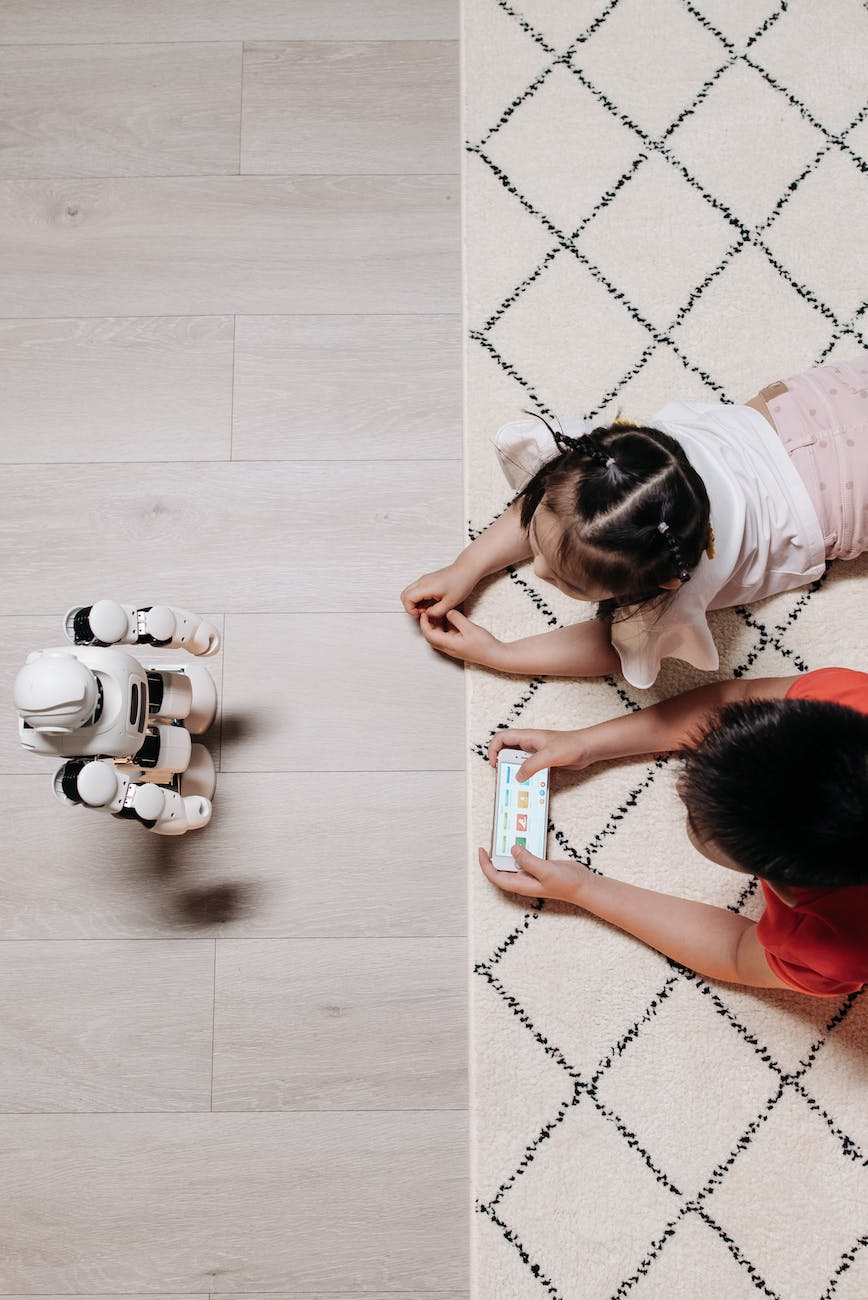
<point x="521" y="841"/>
<point x="523" y="798"/>
<point x="521" y="821"/>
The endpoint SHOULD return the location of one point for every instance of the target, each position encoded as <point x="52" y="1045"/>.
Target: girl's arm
<point x="674" y="724"/>
<point x="709" y="940"/>
<point x="583" y="650"/>
<point x="504" y="542"/>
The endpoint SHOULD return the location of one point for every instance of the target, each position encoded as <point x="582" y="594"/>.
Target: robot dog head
<point x="55" y="693"/>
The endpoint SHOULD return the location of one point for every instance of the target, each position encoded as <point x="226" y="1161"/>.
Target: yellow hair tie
<point x="709" y="550"/>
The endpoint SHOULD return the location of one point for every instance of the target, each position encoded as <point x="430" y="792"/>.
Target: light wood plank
<point x="118" y="389"/>
<point x="224" y="244"/>
<point x="227" y="1203"/>
<point x="106" y="1026"/>
<point x="369" y="106"/>
<point x="77" y="874"/>
<point x="119" y="110"/>
<point x="76" y="21"/>
<point x="385" y="701"/>
<point x="347" y="388"/>
<point x="245" y="536"/>
<point x="328" y="1024"/>
<point x="19" y="636"/>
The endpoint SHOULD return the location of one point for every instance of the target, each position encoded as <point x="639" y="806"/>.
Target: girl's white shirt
<point x="767" y="536"/>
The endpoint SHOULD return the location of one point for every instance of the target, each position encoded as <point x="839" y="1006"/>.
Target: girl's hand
<point x="538" y="878"/>
<point x="547" y="749"/>
<point x="439" y="591"/>
<point x="455" y="635"/>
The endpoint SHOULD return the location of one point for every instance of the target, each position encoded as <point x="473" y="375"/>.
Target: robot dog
<point x="124" y="727"/>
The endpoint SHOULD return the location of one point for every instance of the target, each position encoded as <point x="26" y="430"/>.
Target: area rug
<point x="663" y="199"/>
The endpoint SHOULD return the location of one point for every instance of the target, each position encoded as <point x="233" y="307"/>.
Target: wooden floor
<point x="234" y="1063"/>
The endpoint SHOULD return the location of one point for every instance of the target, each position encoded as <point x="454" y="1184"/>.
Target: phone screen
<point x="521" y="815"/>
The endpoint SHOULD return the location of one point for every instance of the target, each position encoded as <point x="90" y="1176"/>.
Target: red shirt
<point x="820" y="945"/>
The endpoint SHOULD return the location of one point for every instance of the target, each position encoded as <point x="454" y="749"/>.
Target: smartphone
<point x="521" y="810"/>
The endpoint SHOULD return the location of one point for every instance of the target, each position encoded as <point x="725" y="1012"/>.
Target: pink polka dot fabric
<point x="823" y="423"/>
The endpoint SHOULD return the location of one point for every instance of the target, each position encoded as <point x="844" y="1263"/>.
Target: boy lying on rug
<point x="775" y="785"/>
<point x="710" y="506"/>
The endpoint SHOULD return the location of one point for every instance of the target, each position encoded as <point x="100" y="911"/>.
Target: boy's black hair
<point x="634" y="512"/>
<point x="782" y="787"/>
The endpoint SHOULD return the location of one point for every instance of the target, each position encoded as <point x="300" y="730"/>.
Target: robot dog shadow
<point x="178" y="864"/>
<point x="187" y="902"/>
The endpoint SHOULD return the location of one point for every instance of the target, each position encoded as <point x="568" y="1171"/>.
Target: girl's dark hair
<point x="634" y="512"/>
<point x="782" y="787"/>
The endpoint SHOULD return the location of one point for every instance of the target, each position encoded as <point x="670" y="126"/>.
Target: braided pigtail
<point x="586" y="445"/>
<point x="683" y="573"/>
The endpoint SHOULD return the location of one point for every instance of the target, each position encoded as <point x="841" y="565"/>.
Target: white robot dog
<point x="125" y="727"/>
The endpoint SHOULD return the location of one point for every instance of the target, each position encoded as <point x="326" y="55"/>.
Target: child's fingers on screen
<point x="529" y="864"/>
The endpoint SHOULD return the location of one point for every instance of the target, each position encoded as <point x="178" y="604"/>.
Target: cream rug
<point x="664" y="199"/>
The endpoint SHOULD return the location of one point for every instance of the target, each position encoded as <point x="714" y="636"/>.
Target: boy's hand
<point x="457" y="636"/>
<point x="439" y="591"/>
<point x="547" y="749"/>
<point x="537" y="877"/>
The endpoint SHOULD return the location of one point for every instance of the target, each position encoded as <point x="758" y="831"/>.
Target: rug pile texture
<point x="664" y="199"/>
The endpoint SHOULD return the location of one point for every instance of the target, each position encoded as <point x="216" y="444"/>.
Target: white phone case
<point x="521" y="810"/>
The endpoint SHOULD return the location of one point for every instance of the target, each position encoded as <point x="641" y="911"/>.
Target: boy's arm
<point x="709" y="940"/>
<point x="674" y="724"/>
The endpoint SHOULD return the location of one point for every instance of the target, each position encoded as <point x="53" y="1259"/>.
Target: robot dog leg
<point x="108" y="623"/>
<point x="111" y="787"/>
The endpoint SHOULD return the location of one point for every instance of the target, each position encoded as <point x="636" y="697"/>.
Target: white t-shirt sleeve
<point x="524" y="446"/>
<point x="674" y="628"/>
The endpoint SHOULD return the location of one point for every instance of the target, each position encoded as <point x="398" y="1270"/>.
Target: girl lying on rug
<point x="709" y="507"/>
<point x="775" y="785"/>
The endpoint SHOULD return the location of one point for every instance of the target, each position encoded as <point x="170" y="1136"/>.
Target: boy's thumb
<point x="524" y="859"/>
<point x="528" y="768"/>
